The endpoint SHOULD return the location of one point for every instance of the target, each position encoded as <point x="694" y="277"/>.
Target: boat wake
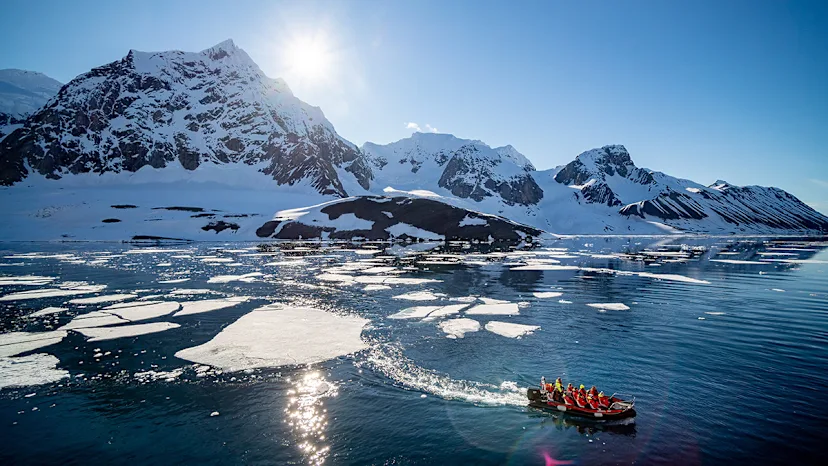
<point x="388" y="359"/>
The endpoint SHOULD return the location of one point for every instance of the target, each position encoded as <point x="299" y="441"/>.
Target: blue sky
<point x="701" y="90"/>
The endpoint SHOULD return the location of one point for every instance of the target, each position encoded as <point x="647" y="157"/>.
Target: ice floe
<point x="191" y="291"/>
<point x="104" y="299"/>
<point x="289" y="263"/>
<point x="153" y="251"/>
<point x="419" y="296"/>
<point x="493" y="301"/>
<point x="14" y="343"/>
<point x="175" y="280"/>
<point x="545" y="267"/>
<point x="741" y="262"/>
<point x="246" y="278"/>
<point x="510" y="330"/>
<point x="494" y="309"/>
<point x="144" y="310"/>
<point x="376" y="287"/>
<point x="458" y="328"/>
<point x="547" y="294"/>
<point x="123" y="331"/>
<point x="416" y="312"/>
<point x="28" y="280"/>
<point x="207" y="305"/>
<point x="34" y="369"/>
<point x="47" y="310"/>
<point x="52" y="292"/>
<point x="93" y="319"/>
<point x="276" y="335"/>
<point x="609" y="306"/>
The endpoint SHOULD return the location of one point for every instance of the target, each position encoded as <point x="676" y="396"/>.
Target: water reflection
<point x="589" y="427"/>
<point x="307" y="416"/>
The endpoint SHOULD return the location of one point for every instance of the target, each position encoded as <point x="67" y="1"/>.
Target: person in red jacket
<point x="603" y="401"/>
<point x="593" y="391"/>
<point x="592" y="401"/>
<point x="580" y="399"/>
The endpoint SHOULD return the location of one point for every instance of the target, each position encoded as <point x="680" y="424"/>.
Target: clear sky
<point x="736" y="90"/>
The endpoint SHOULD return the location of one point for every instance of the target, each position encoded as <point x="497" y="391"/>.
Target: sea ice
<point x="47" y="311"/>
<point x="510" y="330"/>
<point x="494" y="309"/>
<point x="93" y="319"/>
<point x="545" y="267"/>
<point x="443" y="311"/>
<point x="419" y="296"/>
<point x="609" y="306"/>
<point x="276" y="335"/>
<point x="376" y="287"/>
<point x="143" y="311"/>
<point x="52" y="292"/>
<point x="103" y="299"/>
<point x="34" y="369"/>
<point x="14" y="343"/>
<point x="416" y="312"/>
<point x="741" y="262"/>
<point x="30" y="280"/>
<point x="191" y="291"/>
<point x="246" y="278"/>
<point x="547" y="294"/>
<point x="457" y="328"/>
<point x="176" y="280"/>
<point x="493" y="301"/>
<point x="207" y="305"/>
<point x="123" y="331"/>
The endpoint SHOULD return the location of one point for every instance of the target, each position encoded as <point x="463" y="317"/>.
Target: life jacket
<point x="568" y="400"/>
<point x="579" y="400"/>
<point x="603" y="401"/>
<point x="593" y="391"/>
<point x="549" y="387"/>
<point x="593" y="403"/>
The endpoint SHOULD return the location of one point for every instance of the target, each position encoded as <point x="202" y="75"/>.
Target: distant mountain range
<point x="179" y="114"/>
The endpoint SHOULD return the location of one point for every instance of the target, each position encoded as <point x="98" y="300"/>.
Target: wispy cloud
<point x="420" y="129"/>
<point x="822" y="183"/>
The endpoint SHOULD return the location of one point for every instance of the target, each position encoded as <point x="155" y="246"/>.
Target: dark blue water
<point x="743" y="384"/>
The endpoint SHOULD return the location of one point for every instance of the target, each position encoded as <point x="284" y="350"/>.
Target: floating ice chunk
<point x="103" y="299"/>
<point x="367" y="251"/>
<point x="419" y="296"/>
<point x="214" y="414"/>
<point x="416" y="312"/>
<point x="52" y="292"/>
<point x="395" y="280"/>
<point x="246" y="278"/>
<point x="493" y="301"/>
<point x="93" y="319"/>
<point x="464" y="299"/>
<point x="33" y="280"/>
<point x="47" y="310"/>
<point x="14" y="343"/>
<point x="547" y="294"/>
<point x="217" y="259"/>
<point x="144" y="310"/>
<point x="207" y="305"/>
<point x="494" y="309"/>
<point x="458" y="328"/>
<point x="151" y="376"/>
<point x="741" y="262"/>
<point x="609" y="306"/>
<point x="510" y="330"/>
<point x="797" y="261"/>
<point x="382" y="270"/>
<point x="160" y="264"/>
<point x="443" y="311"/>
<point x="34" y="369"/>
<point x="715" y="313"/>
<point x="376" y="287"/>
<point x="273" y="336"/>
<point x="176" y="280"/>
<point x="564" y="301"/>
<point x="673" y="278"/>
<point x="191" y="291"/>
<point x="123" y="331"/>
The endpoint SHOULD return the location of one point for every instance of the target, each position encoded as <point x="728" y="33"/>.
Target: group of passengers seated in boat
<point x="571" y="396"/>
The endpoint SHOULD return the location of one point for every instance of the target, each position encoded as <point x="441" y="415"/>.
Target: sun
<point x="309" y="57"/>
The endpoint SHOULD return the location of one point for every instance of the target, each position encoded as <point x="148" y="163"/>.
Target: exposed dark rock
<point x="384" y="213"/>
<point x="180" y="208"/>
<point x="202" y="215"/>
<point x="124" y="206"/>
<point x="220" y="226"/>
<point x="111" y="220"/>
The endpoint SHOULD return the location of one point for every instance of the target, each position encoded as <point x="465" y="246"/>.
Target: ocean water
<point x="727" y="361"/>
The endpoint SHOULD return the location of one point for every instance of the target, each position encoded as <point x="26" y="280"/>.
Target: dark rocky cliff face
<point x="193" y="108"/>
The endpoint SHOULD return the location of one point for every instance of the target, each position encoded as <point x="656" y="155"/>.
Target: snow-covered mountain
<point x="210" y="131"/>
<point x="21" y="94"/>
<point x="157" y="109"/>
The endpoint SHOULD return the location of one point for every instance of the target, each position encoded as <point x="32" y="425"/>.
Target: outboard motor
<point x="533" y="394"/>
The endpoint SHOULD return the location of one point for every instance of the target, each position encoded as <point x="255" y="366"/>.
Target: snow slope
<point x="21" y="94"/>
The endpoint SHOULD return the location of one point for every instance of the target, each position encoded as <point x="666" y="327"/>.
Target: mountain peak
<point x="222" y="49"/>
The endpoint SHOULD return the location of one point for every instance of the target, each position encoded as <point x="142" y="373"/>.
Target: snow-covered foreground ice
<point x="277" y="335"/>
<point x="458" y="328"/>
<point x="495" y="309"/>
<point x="609" y="306"/>
<point x="510" y="330"/>
<point x="52" y="292"/>
<point x="34" y="369"/>
<point x="123" y="331"/>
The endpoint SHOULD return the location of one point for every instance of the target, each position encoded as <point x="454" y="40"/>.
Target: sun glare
<point x="309" y="58"/>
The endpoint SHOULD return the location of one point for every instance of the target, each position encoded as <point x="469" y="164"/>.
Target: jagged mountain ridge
<point x="216" y="107"/>
<point x="157" y="108"/>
